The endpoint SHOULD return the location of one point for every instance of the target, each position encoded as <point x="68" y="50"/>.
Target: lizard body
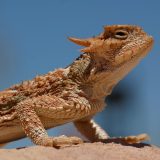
<point x="75" y="93"/>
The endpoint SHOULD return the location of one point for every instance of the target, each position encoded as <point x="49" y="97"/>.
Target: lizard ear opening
<point x="81" y="42"/>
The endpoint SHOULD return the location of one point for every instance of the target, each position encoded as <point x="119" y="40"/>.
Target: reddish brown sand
<point x="95" y="151"/>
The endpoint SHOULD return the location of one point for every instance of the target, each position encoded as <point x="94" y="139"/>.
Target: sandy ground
<point x="87" y="151"/>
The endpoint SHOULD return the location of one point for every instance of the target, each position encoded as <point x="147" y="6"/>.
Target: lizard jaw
<point x="139" y="51"/>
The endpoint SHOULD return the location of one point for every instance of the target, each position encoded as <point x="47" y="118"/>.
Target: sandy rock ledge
<point x="87" y="151"/>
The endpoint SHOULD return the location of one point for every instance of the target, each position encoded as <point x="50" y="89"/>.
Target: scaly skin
<point x="75" y="93"/>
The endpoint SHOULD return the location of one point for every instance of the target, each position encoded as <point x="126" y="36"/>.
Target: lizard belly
<point x="10" y="131"/>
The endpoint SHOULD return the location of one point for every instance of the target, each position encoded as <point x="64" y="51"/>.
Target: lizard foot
<point x="129" y="139"/>
<point x="64" y="141"/>
<point x="136" y="139"/>
<point x="60" y="142"/>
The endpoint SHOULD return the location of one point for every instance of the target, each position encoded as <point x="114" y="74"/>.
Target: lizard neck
<point x="85" y="72"/>
<point x="79" y="70"/>
<point x="95" y="77"/>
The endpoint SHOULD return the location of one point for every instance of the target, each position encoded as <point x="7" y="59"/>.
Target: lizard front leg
<point x="90" y="129"/>
<point x="35" y="130"/>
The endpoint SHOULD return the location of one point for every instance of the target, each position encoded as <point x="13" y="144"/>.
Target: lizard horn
<point x="81" y="42"/>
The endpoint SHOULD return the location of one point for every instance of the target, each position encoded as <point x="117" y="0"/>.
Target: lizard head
<point x="117" y="45"/>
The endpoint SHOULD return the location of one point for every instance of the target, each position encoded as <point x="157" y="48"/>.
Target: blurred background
<point x="33" y="40"/>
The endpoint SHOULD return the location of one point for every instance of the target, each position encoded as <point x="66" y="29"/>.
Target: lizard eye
<point x="121" y="34"/>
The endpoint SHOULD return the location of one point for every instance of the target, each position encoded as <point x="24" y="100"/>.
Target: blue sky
<point x="33" y="40"/>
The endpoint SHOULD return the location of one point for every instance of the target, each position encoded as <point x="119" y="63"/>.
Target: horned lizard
<point x="75" y="93"/>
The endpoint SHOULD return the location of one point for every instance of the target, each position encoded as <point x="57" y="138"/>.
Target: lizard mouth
<point x="138" y="51"/>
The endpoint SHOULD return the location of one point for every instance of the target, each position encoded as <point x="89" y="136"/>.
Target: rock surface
<point x="87" y="151"/>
